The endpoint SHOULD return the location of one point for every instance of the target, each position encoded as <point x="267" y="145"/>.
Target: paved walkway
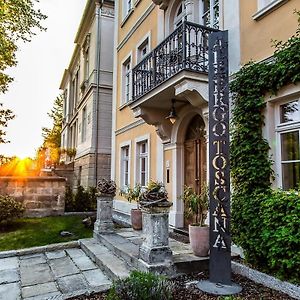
<point x="51" y="275"/>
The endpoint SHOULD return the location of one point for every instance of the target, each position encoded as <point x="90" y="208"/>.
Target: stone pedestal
<point x="155" y="249"/>
<point x="104" y="223"/>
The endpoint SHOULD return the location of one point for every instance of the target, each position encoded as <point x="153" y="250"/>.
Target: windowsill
<point x="268" y="9"/>
<point x="137" y="2"/>
<point x="125" y="105"/>
<point x="127" y="17"/>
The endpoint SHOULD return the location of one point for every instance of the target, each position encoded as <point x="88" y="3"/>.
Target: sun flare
<point x="18" y="167"/>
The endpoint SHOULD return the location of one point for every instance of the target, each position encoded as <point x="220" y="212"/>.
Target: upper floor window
<point x="210" y="13"/>
<point x="83" y="129"/>
<point x="126" y="79"/>
<point x="65" y="103"/>
<point x="143" y="49"/>
<point x="127" y="6"/>
<point x="179" y="15"/>
<point x="289" y="136"/>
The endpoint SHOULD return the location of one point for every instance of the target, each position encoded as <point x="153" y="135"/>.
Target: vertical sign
<point x="219" y="170"/>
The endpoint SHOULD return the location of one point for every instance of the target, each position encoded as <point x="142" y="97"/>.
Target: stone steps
<point x="125" y="244"/>
<point x="107" y="260"/>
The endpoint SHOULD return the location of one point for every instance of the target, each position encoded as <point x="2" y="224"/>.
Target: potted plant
<point x="196" y="208"/>
<point x="133" y="194"/>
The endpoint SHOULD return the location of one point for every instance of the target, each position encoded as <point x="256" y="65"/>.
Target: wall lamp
<point x="172" y="114"/>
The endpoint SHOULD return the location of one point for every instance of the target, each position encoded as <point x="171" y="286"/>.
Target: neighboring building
<point x="87" y="88"/>
<point x="160" y="65"/>
<point x="261" y="22"/>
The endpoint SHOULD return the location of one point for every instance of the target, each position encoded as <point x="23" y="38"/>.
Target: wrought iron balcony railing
<point x="186" y="48"/>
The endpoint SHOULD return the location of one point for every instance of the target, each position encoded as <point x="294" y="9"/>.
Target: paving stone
<point x="56" y="254"/>
<point x="9" y="276"/>
<point x="33" y="260"/>
<point x="63" y="267"/>
<point x="35" y="274"/>
<point x="72" y="283"/>
<point x="75" y="252"/>
<point x="10" y="291"/>
<point x="9" y="263"/>
<point x="29" y="256"/>
<point x="84" y="263"/>
<point x="96" y="278"/>
<point x="39" y="289"/>
<point x="49" y="296"/>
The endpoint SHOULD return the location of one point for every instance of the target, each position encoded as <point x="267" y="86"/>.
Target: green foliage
<point x="280" y="237"/>
<point x="18" y="19"/>
<point x="141" y="286"/>
<point x="251" y="165"/>
<point x="10" y="209"/>
<point x="5" y="116"/>
<point x="196" y="204"/>
<point x="132" y="194"/>
<point x="32" y="232"/>
<point x="82" y="200"/>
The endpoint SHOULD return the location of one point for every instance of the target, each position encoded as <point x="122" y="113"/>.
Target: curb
<point x="266" y="280"/>
<point x="40" y="249"/>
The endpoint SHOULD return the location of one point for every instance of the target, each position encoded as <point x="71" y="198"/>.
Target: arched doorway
<point x="195" y="156"/>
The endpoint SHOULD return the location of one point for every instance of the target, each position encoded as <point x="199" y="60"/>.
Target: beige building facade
<point x="87" y="88"/>
<point x="261" y="22"/>
<point x="161" y="65"/>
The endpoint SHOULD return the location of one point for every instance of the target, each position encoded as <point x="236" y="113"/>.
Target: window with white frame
<point x="127" y="6"/>
<point x="83" y="128"/>
<point x="125" y="165"/>
<point x="142" y="162"/>
<point x="179" y="14"/>
<point x="143" y="49"/>
<point x="289" y="136"/>
<point x="210" y="13"/>
<point x="126" y="81"/>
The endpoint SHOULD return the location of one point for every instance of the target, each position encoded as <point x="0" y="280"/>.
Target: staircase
<point x="117" y="254"/>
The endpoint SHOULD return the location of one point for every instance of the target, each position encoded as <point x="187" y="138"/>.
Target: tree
<point x="18" y="19"/>
<point x="52" y="136"/>
<point x="5" y="116"/>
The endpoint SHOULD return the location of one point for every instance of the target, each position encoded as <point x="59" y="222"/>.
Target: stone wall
<point x="41" y="196"/>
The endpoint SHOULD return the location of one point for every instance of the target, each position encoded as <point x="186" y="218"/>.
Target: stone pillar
<point x="104" y="223"/>
<point x="155" y="248"/>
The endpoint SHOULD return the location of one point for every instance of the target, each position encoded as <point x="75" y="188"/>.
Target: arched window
<point x="179" y="14"/>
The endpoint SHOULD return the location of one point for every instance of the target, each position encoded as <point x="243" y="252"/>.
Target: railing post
<point x="184" y="44"/>
<point x="154" y="68"/>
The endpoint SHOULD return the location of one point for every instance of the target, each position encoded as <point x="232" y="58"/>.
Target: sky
<point x="37" y="76"/>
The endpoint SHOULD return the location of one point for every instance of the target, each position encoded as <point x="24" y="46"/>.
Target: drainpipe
<point x="98" y="41"/>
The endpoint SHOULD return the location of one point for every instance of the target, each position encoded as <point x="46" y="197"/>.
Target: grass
<point x="26" y="232"/>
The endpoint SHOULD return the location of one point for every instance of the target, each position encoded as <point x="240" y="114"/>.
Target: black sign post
<point x="219" y="170"/>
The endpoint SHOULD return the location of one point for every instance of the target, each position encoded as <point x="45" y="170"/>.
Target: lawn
<point x="30" y="232"/>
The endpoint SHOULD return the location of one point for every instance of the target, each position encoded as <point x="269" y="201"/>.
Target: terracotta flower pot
<point x="136" y="219"/>
<point x="199" y="240"/>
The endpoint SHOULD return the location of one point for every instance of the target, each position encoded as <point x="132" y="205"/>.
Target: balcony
<point x="186" y="49"/>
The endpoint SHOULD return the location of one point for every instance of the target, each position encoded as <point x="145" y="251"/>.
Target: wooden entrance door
<point x="195" y="157"/>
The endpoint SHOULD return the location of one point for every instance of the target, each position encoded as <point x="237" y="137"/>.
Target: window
<point x="83" y="131"/>
<point x="179" y="15"/>
<point x="86" y="64"/>
<point x="126" y="81"/>
<point x="289" y="132"/>
<point x="65" y="102"/>
<point x="143" y="50"/>
<point x="125" y="161"/>
<point x="142" y="163"/>
<point x="127" y="6"/>
<point x="210" y="13"/>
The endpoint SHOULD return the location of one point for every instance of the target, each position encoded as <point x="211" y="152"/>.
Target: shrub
<point x="141" y="286"/>
<point x="280" y="238"/>
<point x="82" y="200"/>
<point x="10" y="209"/>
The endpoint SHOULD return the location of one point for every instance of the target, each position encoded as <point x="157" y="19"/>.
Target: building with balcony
<point x="87" y="90"/>
<point x="160" y="102"/>
<point x="160" y="98"/>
